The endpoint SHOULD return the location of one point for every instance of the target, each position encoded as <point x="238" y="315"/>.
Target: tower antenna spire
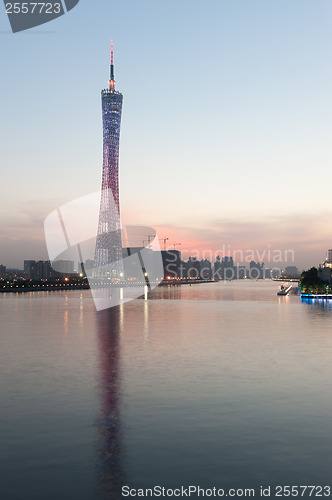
<point x="112" y="81"/>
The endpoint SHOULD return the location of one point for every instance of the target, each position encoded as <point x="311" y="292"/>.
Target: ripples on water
<point x="222" y="385"/>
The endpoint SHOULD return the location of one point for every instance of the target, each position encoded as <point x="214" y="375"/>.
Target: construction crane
<point x="164" y="240"/>
<point x="175" y="244"/>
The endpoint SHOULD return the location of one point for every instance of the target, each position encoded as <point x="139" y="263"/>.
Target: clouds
<point x="307" y="235"/>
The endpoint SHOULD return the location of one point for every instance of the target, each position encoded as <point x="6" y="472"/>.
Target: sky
<point x="226" y="124"/>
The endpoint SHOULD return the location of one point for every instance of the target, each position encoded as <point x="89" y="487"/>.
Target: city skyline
<point x="226" y="133"/>
<point x="278" y="262"/>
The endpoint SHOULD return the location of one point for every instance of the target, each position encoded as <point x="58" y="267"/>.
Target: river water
<point x="219" y="385"/>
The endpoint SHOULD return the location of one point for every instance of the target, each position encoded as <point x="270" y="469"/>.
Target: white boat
<point x="284" y="290"/>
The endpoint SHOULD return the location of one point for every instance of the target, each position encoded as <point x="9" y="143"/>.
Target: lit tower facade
<point x="108" y="252"/>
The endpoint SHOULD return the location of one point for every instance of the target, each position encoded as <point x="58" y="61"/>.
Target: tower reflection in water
<point x="110" y="466"/>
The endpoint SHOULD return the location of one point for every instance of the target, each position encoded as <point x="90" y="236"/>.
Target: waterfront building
<point x="194" y="268"/>
<point x="43" y="270"/>
<point x="325" y="269"/>
<point x="328" y="260"/>
<point x="2" y="271"/>
<point x="29" y="268"/>
<point x="217" y="268"/>
<point x="325" y="274"/>
<point x="171" y="263"/>
<point x="270" y="273"/>
<point x="291" y="272"/>
<point x="228" y="270"/>
<point x="38" y="270"/>
<point x="183" y="271"/>
<point x="108" y="251"/>
<point x="241" y="272"/>
<point x="256" y="270"/>
<point x="206" y="269"/>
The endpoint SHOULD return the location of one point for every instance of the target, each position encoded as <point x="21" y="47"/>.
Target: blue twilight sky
<point x="226" y="128"/>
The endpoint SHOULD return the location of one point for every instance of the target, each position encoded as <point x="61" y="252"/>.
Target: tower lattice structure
<point x="108" y="251"/>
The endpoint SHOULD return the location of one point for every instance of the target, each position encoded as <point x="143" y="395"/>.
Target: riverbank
<point x="326" y="296"/>
<point x="51" y="287"/>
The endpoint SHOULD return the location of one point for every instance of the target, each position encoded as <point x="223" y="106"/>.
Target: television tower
<point x="108" y="251"/>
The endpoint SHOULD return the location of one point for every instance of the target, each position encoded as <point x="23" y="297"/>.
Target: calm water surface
<point x="222" y="385"/>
